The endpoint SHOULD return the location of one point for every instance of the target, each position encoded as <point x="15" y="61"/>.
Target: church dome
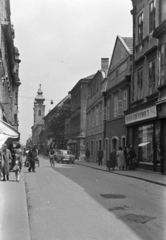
<point x="39" y="98"/>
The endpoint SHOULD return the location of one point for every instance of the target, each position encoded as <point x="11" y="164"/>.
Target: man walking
<point x="100" y="156"/>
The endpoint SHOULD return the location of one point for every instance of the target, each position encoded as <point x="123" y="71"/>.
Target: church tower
<point x="39" y="107"/>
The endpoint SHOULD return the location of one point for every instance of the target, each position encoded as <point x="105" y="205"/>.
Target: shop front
<point x="144" y="135"/>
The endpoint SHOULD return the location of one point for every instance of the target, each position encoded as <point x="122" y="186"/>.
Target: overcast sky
<point x="60" y="42"/>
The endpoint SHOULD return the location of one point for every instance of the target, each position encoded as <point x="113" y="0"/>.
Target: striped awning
<point x="7" y="131"/>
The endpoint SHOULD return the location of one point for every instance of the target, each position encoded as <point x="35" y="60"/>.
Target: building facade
<point x="160" y="34"/>
<point x="118" y="94"/>
<point x="95" y="111"/>
<point x="79" y="95"/>
<point x="142" y="122"/>
<point x="9" y="68"/>
<point x="51" y="136"/>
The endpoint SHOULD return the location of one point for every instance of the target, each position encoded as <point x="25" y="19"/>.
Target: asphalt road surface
<point x="73" y="202"/>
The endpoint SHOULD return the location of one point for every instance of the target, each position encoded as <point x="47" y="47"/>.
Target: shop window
<point x="152" y="14"/>
<point x="140" y="28"/>
<point x="145" y="144"/>
<point x="140" y="83"/>
<point x="158" y="142"/>
<point x="152" y="76"/>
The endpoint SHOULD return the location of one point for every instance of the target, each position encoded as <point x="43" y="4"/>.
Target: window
<point x="108" y="110"/>
<point x="115" y="105"/>
<point x="39" y="112"/>
<point x="152" y="13"/>
<point x="123" y="141"/>
<point x="152" y="76"/>
<point x="16" y="96"/>
<point x="116" y="72"/>
<point x="120" y="107"/>
<point x="139" y="83"/>
<point x="140" y="28"/>
<point x="97" y="116"/>
<point x="125" y="100"/>
<point x="101" y="113"/>
<point x="162" y="63"/>
<point x="145" y="143"/>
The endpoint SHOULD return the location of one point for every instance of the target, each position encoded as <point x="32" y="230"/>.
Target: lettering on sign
<point x="141" y="115"/>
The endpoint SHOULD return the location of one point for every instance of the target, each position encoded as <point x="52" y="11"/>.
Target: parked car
<point x="64" y="156"/>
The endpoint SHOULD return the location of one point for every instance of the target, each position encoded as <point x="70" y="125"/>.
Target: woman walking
<point x="121" y="159"/>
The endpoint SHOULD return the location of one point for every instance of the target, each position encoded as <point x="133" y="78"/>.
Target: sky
<point x="60" y="42"/>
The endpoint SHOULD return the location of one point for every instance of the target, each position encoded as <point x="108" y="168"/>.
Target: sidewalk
<point x="148" y="176"/>
<point x="14" y="223"/>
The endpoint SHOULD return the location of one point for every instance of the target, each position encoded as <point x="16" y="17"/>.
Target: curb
<point x="28" y="237"/>
<point x="139" y="178"/>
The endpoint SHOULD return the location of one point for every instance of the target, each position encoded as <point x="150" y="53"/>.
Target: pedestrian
<point x="112" y="160"/>
<point x="32" y="156"/>
<point x="5" y="156"/>
<point x="51" y="154"/>
<point x="131" y="158"/>
<point x="100" y="156"/>
<point x="16" y="167"/>
<point x="19" y="152"/>
<point x="121" y="159"/>
<point x="125" y="155"/>
<point x="87" y="154"/>
<point x="12" y="150"/>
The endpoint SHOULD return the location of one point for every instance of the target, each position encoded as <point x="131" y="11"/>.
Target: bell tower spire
<point x="39" y="107"/>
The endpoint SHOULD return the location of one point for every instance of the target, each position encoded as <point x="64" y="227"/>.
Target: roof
<point x="86" y="79"/>
<point x="129" y="43"/>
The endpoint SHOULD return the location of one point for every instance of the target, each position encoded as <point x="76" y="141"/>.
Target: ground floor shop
<point x="77" y="147"/>
<point x="93" y="143"/>
<point x="146" y="133"/>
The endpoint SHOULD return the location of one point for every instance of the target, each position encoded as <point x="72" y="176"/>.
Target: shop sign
<point x="141" y="115"/>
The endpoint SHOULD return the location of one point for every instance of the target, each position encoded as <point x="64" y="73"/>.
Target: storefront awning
<point x="7" y="131"/>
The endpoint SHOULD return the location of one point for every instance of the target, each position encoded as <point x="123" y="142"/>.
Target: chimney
<point x="104" y="64"/>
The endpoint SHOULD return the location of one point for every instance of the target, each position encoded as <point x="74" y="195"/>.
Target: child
<point x="16" y="168"/>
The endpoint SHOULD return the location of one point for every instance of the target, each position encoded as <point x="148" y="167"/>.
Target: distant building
<point x="39" y="113"/>
<point x="95" y="110"/>
<point x="117" y="97"/>
<point x="57" y="140"/>
<point x="77" y="122"/>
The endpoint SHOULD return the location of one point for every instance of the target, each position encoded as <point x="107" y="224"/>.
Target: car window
<point x="69" y="152"/>
<point x="64" y="152"/>
<point x="58" y="152"/>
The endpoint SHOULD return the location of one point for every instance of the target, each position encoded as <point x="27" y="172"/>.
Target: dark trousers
<point x="32" y="167"/>
<point x="100" y="161"/>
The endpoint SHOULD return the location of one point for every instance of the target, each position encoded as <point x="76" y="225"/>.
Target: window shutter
<point x="120" y="107"/>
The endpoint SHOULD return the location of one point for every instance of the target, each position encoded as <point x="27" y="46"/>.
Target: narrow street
<point x="79" y="203"/>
